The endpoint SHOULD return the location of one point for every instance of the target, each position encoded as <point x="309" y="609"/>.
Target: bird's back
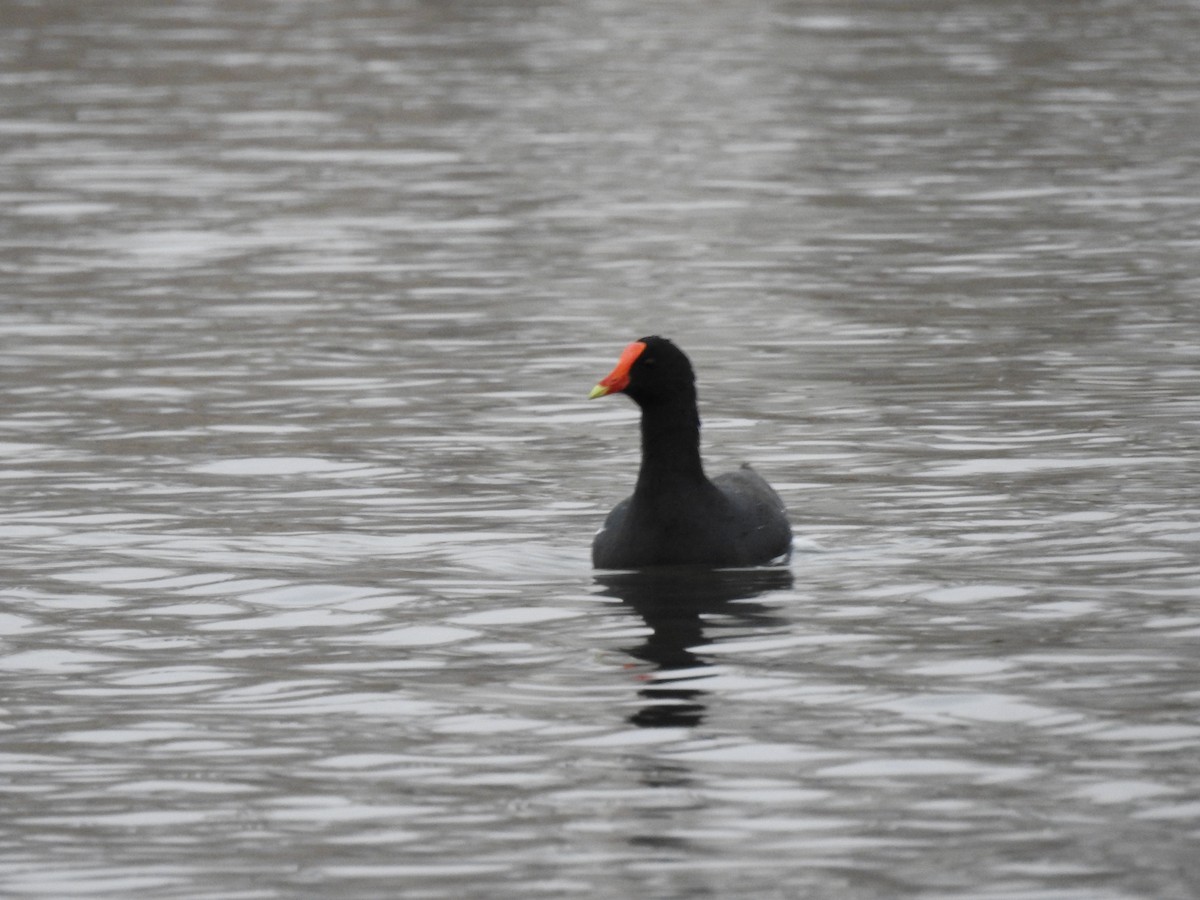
<point x="735" y="520"/>
<point x="760" y="518"/>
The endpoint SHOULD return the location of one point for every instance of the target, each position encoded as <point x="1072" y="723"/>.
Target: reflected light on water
<point x="300" y="305"/>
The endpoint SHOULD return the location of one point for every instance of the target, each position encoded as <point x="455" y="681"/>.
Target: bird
<point x="676" y="516"/>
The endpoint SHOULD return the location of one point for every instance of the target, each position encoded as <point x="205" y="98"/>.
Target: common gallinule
<point x="676" y="515"/>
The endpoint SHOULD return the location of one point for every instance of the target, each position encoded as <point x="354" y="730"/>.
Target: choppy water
<point x="300" y="305"/>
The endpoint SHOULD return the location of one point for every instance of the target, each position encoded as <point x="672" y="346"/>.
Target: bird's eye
<point x="648" y="361"/>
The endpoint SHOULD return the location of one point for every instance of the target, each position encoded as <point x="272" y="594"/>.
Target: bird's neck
<point x="670" y="446"/>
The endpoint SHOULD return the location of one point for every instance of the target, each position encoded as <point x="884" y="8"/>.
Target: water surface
<point x="300" y="304"/>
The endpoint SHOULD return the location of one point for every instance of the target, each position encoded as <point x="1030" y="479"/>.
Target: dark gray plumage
<point x="676" y="515"/>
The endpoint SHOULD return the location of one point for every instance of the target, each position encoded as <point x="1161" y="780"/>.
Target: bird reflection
<point x="680" y="605"/>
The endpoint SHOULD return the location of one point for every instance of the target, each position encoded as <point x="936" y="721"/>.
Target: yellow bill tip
<point x="598" y="391"/>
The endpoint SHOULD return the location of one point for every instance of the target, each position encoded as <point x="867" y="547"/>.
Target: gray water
<point x="301" y="302"/>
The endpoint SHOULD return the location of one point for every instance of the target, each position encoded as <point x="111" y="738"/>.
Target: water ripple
<point x="300" y="307"/>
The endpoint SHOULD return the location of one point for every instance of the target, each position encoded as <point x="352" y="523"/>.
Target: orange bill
<point x="618" y="379"/>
